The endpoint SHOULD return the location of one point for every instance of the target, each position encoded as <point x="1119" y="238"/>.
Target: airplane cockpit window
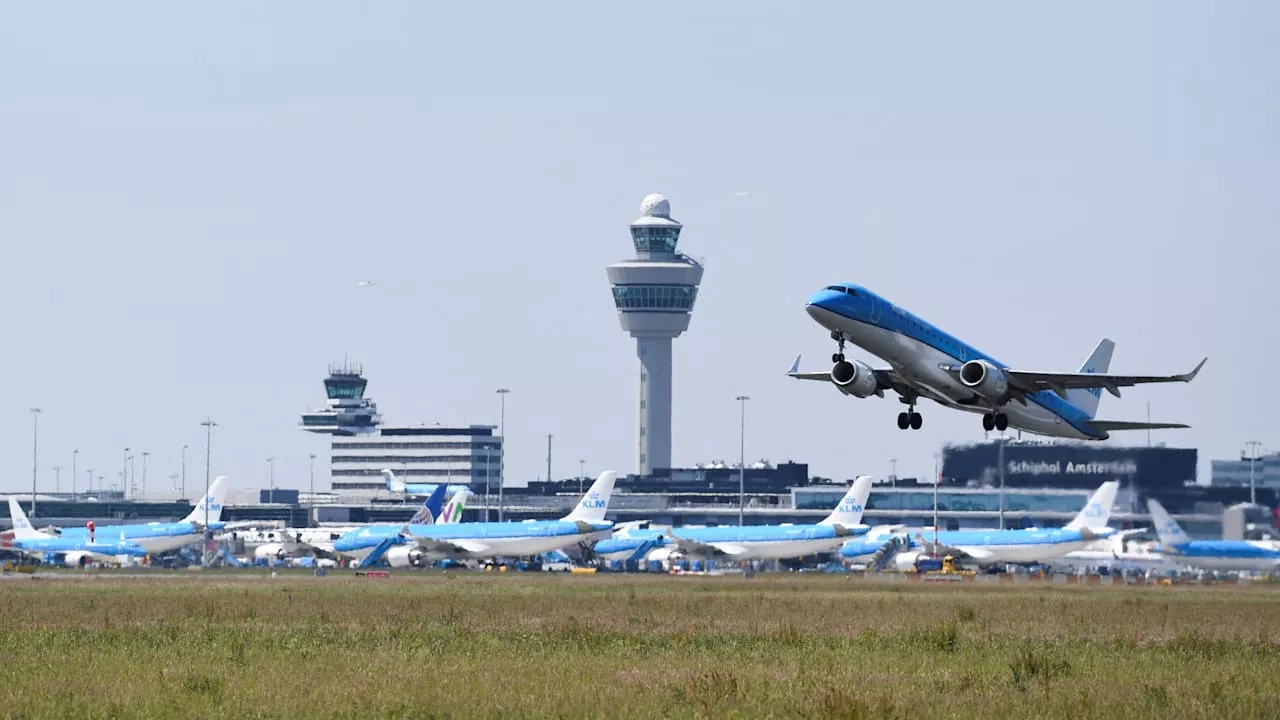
<point x="843" y="289"/>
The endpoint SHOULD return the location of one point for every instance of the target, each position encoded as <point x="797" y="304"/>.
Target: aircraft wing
<point x="941" y="549"/>
<point x="1060" y="382"/>
<point x="886" y="378"/>
<point x="1106" y="425"/>
<point x="451" y="547"/>
<point x="694" y="547"/>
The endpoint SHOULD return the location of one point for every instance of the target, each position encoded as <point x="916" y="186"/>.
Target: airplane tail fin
<point x="1099" y="362"/>
<point x="1167" y="529"/>
<point x="593" y="506"/>
<point x="1097" y="510"/>
<point x="452" y="512"/>
<point x="849" y="510"/>
<point x="22" y="529"/>
<point x="393" y="485"/>
<point x="217" y="493"/>
<point x="431" y="508"/>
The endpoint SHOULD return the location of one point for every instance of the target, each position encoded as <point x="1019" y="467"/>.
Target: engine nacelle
<point x="854" y="378"/>
<point x="77" y="559"/>
<point x="985" y="379"/>
<point x="271" y="551"/>
<point x="406" y="557"/>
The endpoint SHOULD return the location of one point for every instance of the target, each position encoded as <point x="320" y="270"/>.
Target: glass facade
<point x="660" y="298"/>
<point x="655" y="239"/>
<point x="922" y="500"/>
<point x="345" y="389"/>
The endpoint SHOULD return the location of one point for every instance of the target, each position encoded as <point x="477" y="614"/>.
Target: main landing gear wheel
<point x="911" y="420"/>
<point x="995" y="421"/>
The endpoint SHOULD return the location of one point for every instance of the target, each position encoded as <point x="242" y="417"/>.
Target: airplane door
<point x="876" y="305"/>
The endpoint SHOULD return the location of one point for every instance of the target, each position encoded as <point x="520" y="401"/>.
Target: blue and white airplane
<point x="484" y="540"/>
<point x="162" y="537"/>
<point x="992" y="546"/>
<point x="72" y="552"/>
<point x="1177" y="546"/>
<point x="395" y="485"/>
<point x="750" y="542"/>
<point x="925" y="362"/>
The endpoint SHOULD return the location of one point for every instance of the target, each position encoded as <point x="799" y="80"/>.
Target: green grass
<point x="473" y="645"/>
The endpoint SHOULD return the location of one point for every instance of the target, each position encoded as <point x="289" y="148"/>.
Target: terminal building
<point x="1262" y="471"/>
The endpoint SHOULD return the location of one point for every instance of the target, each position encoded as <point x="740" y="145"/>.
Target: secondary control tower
<point x="654" y="294"/>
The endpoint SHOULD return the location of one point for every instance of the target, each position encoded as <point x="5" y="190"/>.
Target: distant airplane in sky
<point x="926" y="362"/>
<point x="367" y="283"/>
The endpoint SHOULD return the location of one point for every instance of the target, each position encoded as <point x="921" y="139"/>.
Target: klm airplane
<point x="484" y="540"/>
<point x="395" y="485"/>
<point x="72" y="552"/>
<point x="925" y="362"/>
<point x="749" y="542"/>
<point x="1178" y="547"/>
<point x="162" y="537"/>
<point x="991" y="546"/>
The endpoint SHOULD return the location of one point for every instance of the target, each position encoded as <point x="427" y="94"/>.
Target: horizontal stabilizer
<point x="1109" y="425"/>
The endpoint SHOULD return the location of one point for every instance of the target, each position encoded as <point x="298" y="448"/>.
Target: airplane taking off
<point x="395" y="485"/>
<point x="925" y="362"/>
<point x="1178" y="547"/>
<point x="993" y="546"/>
<point x="72" y="552"/>
<point x="751" y="542"/>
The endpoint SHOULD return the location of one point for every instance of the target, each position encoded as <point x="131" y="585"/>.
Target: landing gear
<point x="838" y="356"/>
<point x="995" y="421"/>
<point x="910" y="419"/>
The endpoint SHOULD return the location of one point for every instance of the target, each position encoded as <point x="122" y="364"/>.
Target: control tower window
<point x="668" y="298"/>
<point x="655" y="239"/>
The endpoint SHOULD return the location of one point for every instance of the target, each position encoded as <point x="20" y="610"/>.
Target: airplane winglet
<point x="795" y="366"/>
<point x="1188" y="377"/>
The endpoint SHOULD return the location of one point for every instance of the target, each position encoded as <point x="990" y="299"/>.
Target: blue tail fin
<point x="1099" y="362"/>
<point x="431" y="508"/>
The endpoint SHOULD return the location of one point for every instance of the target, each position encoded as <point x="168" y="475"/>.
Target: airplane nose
<point x="823" y="299"/>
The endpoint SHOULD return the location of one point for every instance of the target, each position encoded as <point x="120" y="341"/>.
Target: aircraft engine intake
<point x="985" y="379"/>
<point x="405" y="557"/>
<point x="854" y="378"/>
<point x="77" y="559"/>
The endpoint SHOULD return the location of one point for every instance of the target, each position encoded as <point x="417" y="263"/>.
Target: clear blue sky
<point x="189" y="195"/>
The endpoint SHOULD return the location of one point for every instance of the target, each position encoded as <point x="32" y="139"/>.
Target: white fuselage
<point x="1084" y="559"/>
<point x="918" y="364"/>
<point x="496" y="547"/>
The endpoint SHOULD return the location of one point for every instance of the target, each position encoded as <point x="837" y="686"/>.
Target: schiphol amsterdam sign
<point x="1058" y="467"/>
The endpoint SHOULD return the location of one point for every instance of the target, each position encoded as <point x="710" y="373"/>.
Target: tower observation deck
<point x="654" y="294"/>
<point x="348" y="411"/>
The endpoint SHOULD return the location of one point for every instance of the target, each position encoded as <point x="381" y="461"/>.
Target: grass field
<point x="524" y="645"/>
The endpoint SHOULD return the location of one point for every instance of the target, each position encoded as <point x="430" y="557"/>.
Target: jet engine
<point x="406" y="557"/>
<point x="985" y="379"/>
<point x="271" y="551"/>
<point x="77" y="559"/>
<point x="854" y="378"/>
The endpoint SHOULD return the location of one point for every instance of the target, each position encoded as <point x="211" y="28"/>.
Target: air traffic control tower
<point x="654" y="294"/>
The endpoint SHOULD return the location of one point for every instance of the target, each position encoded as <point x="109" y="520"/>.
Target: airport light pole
<point x="893" y="472"/>
<point x="271" y="479"/>
<point x="35" y="455"/>
<point x="57" y="478"/>
<point x="548" y="457"/>
<point x="209" y="425"/>
<point x="582" y="474"/>
<point x="124" y="472"/>
<point x="132" y="479"/>
<point x="1000" y="470"/>
<point x="74" y="453"/>
<point x="184" y="471"/>
<point x="1253" y="460"/>
<point x="937" y="480"/>
<point x="502" y="450"/>
<point x="742" y="459"/>
<point x="89" y="472"/>
<point x="312" y="475"/>
<point x="144" y="474"/>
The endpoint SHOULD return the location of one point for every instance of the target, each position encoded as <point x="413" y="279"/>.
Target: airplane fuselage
<point x="155" y="538"/>
<point x="1225" y="555"/>
<point x="759" y="542"/>
<point x="985" y="546"/>
<point x="915" y="349"/>
<point x="500" y="539"/>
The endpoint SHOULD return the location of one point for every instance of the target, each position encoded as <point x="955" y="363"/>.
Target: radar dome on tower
<point x="655" y="205"/>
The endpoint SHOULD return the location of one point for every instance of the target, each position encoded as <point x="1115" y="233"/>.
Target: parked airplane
<point x="749" y="542"/>
<point x="486" y="539"/>
<point x="72" y="552"/>
<point x="395" y="485"/>
<point x="1112" y="554"/>
<point x="162" y="537"/>
<point x="279" y="545"/>
<point x="925" y="362"/>
<point x="1176" y="545"/>
<point x="990" y="546"/>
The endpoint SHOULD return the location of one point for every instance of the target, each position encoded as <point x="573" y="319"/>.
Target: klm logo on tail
<point x="1093" y="510"/>
<point x="1170" y="528"/>
<point x="209" y="502"/>
<point x="849" y="507"/>
<point x="592" y="501"/>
